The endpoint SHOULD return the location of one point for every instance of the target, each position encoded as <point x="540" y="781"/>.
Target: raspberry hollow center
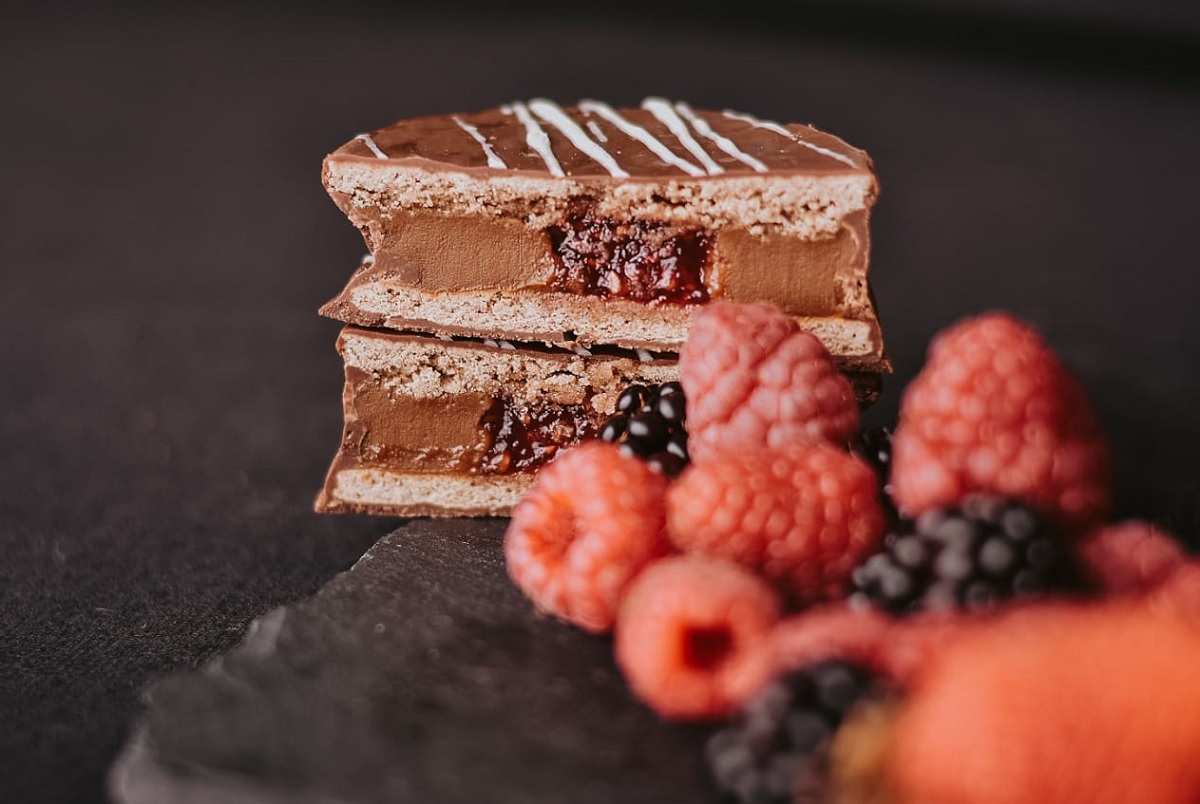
<point x="704" y="648"/>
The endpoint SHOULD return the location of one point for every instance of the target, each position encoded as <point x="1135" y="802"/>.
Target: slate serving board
<point x="421" y="674"/>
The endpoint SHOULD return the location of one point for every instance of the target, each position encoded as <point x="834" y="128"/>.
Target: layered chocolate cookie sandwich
<point x="528" y="263"/>
<point x="460" y="428"/>
<point x="590" y="224"/>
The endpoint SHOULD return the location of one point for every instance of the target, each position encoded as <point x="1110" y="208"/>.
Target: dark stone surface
<point x="169" y="398"/>
<point x="419" y="675"/>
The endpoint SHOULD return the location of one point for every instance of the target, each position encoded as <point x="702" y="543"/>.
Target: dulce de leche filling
<point x="586" y="254"/>
<point x="462" y="433"/>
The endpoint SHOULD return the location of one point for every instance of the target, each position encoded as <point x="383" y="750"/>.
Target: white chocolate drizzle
<point x="640" y="134"/>
<point x="597" y="132"/>
<point x="493" y="160"/>
<point x="535" y="137"/>
<point x="553" y="114"/>
<point x="778" y="129"/>
<point x="588" y="136"/>
<point x="724" y="143"/>
<point x="370" y="143"/>
<point x="643" y="355"/>
<point x="666" y="114"/>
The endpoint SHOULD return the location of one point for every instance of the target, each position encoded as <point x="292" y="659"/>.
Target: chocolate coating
<point x="438" y="141"/>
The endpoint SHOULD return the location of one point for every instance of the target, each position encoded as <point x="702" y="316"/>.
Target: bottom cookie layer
<point x="407" y="494"/>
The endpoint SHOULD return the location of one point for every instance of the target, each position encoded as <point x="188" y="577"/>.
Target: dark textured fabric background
<point x="169" y="397"/>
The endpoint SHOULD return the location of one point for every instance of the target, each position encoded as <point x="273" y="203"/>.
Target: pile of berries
<point x="746" y="540"/>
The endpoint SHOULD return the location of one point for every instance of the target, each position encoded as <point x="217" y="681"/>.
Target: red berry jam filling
<point x="521" y="438"/>
<point x="639" y="261"/>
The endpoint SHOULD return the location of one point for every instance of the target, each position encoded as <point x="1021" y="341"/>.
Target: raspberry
<point x="816" y="634"/>
<point x="994" y="410"/>
<point x="683" y="623"/>
<point x="895" y="649"/>
<point x="1130" y="557"/>
<point x="1057" y="705"/>
<point x="913" y="642"/>
<point x="754" y="378"/>
<point x="591" y="521"/>
<point x="802" y="515"/>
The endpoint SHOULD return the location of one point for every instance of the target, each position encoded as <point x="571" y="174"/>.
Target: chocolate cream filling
<point x="650" y="262"/>
<point x="466" y="433"/>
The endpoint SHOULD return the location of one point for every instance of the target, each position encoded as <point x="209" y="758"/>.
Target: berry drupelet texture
<point x="995" y="411"/>
<point x="1130" y="557"/>
<point x="592" y="520"/>
<point x="651" y="423"/>
<point x="803" y="515"/>
<point x="774" y="751"/>
<point x="755" y="380"/>
<point x="972" y="556"/>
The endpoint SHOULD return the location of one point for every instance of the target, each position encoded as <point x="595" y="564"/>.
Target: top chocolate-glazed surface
<point x="593" y="140"/>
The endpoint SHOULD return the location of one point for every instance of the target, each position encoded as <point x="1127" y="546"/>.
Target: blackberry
<point x="973" y="556"/>
<point x="774" y="751"/>
<point x="874" y="445"/>
<point x="650" y="423"/>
